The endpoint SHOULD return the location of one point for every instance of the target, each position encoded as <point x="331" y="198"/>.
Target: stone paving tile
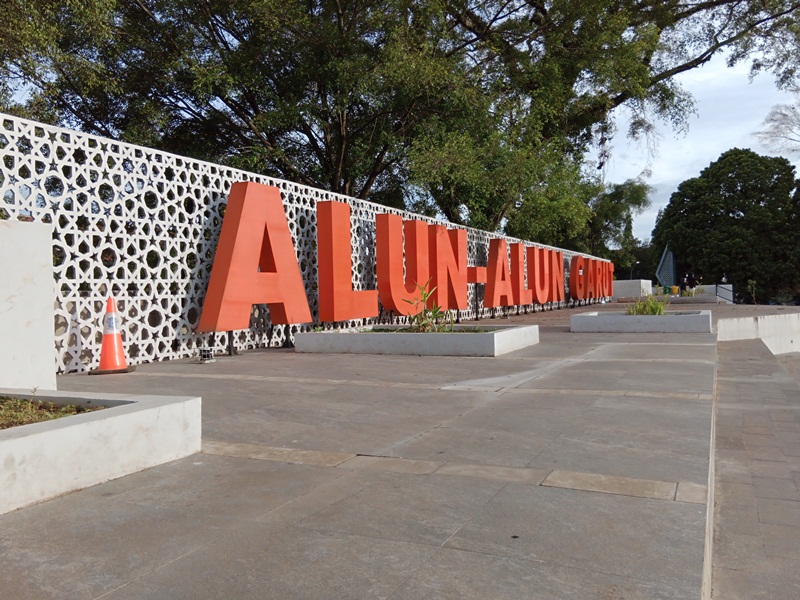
<point x="334" y="565"/>
<point x="765" y="453"/>
<point x="733" y="468"/>
<point x="607" y="484"/>
<point x="740" y="519"/>
<point x="778" y="512"/>
<point x="770" y="487"/>
<point x="495" y="473"/>
<point x="286" y="455"/>
<point x="97" y="548"/>
<point x="738" y="552"/>
<point x="733" y="584"/>
<point x="407" y="508"/>
<point x="620" y="457"/>
<point x="784" y="579"/>
<point x="781" y="540"/>
<point x="457" y="575"/>
<point x="768" y="468"/>
<point x="394" y="465"/>
<point x="691" y="492"/>
<point x="486" y="445"/>
<point x="550" y="526"/>
<point x="735" y="494"/>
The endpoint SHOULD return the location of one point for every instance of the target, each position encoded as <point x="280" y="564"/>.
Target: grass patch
<point x="18" y="411"/>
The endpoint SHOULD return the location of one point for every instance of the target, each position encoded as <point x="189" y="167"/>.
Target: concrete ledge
<point x="631" y="288"/>
<point x="618" y="322"/>
<point x="497" y="340"/>
<point x="43" y="460"/>
<point x="780" y="333"/>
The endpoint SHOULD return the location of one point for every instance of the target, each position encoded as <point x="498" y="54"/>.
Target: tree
<point x="396" y="101"/>
<point x="740" y="217"/>
<point x="781" y="128"/>
<point x="611" y="223"/>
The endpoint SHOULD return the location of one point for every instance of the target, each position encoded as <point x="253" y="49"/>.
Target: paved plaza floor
<point x="577" y="469"/>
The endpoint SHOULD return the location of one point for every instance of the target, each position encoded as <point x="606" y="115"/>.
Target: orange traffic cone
<point x="112" y="355"/>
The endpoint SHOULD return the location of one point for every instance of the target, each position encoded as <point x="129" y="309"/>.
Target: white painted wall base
<point x="47" y="459"/>
<point x="618" y="322"/>
<point x="27" y="339"/>
<point x="780" y="333"/>
<point x="631" y="288"/>
<point x="500" y="340"/>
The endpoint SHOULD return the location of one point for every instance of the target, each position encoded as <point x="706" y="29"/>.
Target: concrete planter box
<point x="698" y="321"/>
<point x="43" y="460"/>
<point x="496" y="340"/>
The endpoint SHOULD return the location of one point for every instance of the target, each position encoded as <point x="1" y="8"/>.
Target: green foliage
<point x="555" y="212"/>
<point x="428" y="316"/>
<point x="740" y="217"/>
<point x="480" y="111"/>
<point x="648" y="305"/>
<point x="611" y="224"/>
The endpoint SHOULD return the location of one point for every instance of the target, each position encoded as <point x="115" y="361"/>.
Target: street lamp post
<point x="632" y="266"/>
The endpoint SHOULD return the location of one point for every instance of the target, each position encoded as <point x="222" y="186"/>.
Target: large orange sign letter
<point x="577" y="278"/>
<point x="539" y="274"/>
<point x="557" y="274"/>
<point x="393" y="290"/>
<point x="255" y="263"/>
<point x="449" y="266"/>
<point x="337" y="300"/>
<point x="522" y="294"/>
<point x="498" y="287"/>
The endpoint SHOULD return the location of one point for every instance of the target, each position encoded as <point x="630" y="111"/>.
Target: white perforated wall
<point x="142" y="225"/>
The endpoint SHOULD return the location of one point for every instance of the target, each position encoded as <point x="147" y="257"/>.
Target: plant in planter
<point x="649" y="305"/>
<point x="428" y="319"/>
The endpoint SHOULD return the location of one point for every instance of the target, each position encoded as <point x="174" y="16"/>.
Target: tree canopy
<point x="781" y="128"/>
<point x="741" y="218"/>
<point x="480" y="111"/>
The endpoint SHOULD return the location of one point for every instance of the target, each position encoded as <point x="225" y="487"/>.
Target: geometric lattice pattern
<point x="142" y="225"/>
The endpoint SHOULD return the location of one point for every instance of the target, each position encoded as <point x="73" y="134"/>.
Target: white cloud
<point x="729" y="109"/>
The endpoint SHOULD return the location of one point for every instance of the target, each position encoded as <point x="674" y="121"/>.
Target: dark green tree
<point x="611" y="223"/>
<point x="741" y="218"/>
<point x="467" y="107"/>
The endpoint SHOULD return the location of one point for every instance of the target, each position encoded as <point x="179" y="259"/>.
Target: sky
<point x="729" y="108"/>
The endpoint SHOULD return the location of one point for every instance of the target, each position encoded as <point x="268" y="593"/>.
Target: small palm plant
<point x="428" y="316"/>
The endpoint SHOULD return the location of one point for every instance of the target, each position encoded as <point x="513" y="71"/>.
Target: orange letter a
<point x="255" y="263"/>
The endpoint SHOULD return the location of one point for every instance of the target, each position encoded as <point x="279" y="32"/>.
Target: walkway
<point x="573" y="469"/>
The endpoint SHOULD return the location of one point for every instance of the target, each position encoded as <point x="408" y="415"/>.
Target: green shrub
<point x="649" y="305"/>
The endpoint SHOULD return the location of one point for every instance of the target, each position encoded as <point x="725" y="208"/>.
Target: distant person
<point x="692" y="282"/>
<point x="684" y="282"/>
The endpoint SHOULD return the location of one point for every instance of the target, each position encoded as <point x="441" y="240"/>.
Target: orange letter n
<point x="255" y="263"/>
<point x="396" y="293"/>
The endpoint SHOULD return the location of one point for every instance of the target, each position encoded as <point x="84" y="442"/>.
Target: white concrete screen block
<point x="495" y="341"/>
<point x="780" y="333"/>
<point x="698" y="321"/>
<point x="631" y="288"/>
<point x="27" y="341"/>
